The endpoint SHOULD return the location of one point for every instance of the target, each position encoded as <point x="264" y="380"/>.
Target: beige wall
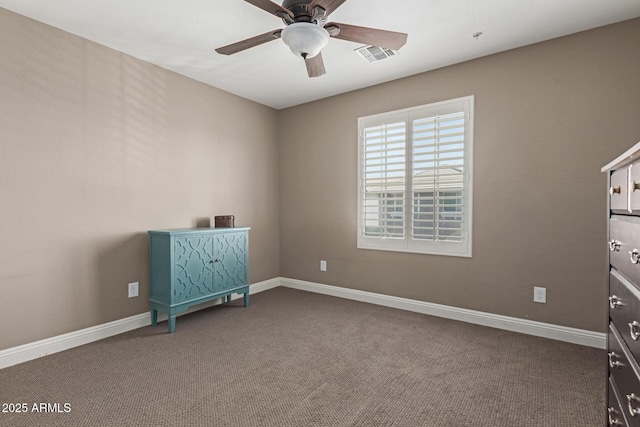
<point x="96" y="148"/>
<point x="547" y="117"/>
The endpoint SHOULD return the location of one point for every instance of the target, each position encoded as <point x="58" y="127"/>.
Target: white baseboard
<point x="262" y="286"/>
<point x="30" y="351"/>
<point x="34" y="350"/>
<point x="524" y="326"/>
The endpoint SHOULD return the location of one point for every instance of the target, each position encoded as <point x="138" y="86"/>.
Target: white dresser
<point x="623" y="339"/>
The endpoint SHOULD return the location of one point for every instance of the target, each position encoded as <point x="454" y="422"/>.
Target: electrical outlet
<point x="323" y="265"/>
<point x="540" y="295"/>
<point x="133" y="289"/>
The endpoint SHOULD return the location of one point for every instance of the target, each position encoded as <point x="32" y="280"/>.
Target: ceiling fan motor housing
<point x="299" y="4"/>
<point x="302" y="13"/>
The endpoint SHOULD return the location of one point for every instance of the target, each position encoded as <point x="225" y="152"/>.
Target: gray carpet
<point x="301" y="359"/>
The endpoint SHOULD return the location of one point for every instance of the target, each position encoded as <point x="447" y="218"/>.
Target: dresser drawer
<point x="618" y="195"/>
<point x="624" y="311"/>
<point x="625" y="375"/>
<point x="624" y="246"/>
<point x="634" y="187"/>
<point x="615" y="416"/>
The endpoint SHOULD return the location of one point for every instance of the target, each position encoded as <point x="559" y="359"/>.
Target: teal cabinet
<point x="193" y="266"/>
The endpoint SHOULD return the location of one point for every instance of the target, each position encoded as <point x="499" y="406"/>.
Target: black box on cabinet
<point x="224" y="221"/>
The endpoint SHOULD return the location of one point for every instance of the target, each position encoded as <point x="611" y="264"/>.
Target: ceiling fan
<point x="306" y="31"/>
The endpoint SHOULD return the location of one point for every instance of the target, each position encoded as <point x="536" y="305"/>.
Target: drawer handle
<point x="614" y="190"/>
<point x="635" y="256"/>
<point x="613" y="421"/>
<point x="635" y="185"/>
<point x="614" y="302"/>
<point x="613" y="363"/>
<point x="614" y="246"/>
<point x="633" y="398"/>
<point x="633" y="330"/>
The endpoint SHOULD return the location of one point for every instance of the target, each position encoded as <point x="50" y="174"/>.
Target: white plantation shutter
<point x="415" y="179"/>
<point x="438" y="177"/>
<point x="384" y="170"/>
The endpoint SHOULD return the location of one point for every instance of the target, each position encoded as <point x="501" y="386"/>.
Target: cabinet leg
<point x="172" y="323"/>
<point x="246" y="299"/>
<point x="154" y="317"/>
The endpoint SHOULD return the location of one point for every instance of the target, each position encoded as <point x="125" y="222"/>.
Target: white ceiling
<point x="182" y="35"/>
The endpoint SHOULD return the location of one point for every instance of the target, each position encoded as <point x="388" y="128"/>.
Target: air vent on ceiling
<point x="375" y="53"/>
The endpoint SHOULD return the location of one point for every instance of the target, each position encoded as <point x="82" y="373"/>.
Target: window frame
<point x="408" y="243"/>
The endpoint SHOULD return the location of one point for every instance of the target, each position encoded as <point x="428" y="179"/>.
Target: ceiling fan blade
<point x="315" y="66"/>
<point x="366" y="35"/>
<point x="271" y="7"/>
<point x="328" y="5"/>
<point x="249" y="43"/>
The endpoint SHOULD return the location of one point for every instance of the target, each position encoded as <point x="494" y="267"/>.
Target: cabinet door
<point x="231" y="260"/>
<point x="193" y="257"/>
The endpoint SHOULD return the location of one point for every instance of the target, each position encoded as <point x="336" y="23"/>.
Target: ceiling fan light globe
<point x="305" y="39"/>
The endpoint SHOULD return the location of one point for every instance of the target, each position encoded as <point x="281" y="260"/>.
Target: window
<point x="414" y="179"/>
